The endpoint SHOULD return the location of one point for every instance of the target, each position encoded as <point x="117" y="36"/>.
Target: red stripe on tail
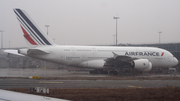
<point x="26" y="35"/>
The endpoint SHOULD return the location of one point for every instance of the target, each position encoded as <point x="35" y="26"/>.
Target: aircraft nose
<point x="175" y="61"/>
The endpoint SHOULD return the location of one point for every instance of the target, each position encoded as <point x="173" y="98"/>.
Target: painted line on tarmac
<point x="134" y="86"/>
<point x="48" y="82"/>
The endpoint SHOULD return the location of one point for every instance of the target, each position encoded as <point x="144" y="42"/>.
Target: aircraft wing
<point x="16" y="96"/>
<point x="15" y="52"/>
<point x="119" y="60"/>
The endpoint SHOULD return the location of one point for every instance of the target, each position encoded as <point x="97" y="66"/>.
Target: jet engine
<point x="22" y="51"/>
<point x="93" y="64"/>
<point x="142" y="65"/>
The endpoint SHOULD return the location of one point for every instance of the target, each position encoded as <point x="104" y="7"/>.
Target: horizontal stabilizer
<point x="15" y="52"/>
<point x="36" y="52"/>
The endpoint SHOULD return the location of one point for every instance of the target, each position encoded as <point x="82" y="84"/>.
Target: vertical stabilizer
<point x="32" y="33"/>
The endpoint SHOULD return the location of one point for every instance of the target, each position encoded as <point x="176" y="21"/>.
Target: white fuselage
<point x="79" y="55"/>
<point x="42" y="47"/>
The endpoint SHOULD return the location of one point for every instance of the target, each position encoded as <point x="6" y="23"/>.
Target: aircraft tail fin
<point x="32" y="33"/>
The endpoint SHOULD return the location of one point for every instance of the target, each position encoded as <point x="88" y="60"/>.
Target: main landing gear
<point x="98" y="71"/>
<point x="101" y="71"/>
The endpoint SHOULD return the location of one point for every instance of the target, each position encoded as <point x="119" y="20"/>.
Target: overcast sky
<point x="90" y="22"/>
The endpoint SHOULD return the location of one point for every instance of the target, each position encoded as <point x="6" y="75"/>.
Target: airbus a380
<point x="98" y="57"/>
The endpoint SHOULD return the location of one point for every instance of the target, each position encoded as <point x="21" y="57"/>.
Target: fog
<point x="91" y="22"/>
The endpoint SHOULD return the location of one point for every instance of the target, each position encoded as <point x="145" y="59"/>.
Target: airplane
<point x="6" y="95"/>
<point x="101" y="58"/>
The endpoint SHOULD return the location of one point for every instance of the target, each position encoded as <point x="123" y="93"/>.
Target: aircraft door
<point x="84" y="58"/>
<point x="73" y="50"/>
<point x="94" y="51"/>
<point x="62" y="57"/>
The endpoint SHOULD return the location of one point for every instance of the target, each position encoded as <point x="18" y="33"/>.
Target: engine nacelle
<point x="142" y="65"/>
<point x="93" y="64"/>
<point x="23" y="51"/>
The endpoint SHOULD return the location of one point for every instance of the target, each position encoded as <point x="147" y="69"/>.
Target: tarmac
<point x="7" y="82"/>
<point x="43" y="72"/>
<point x="28" y="83"/>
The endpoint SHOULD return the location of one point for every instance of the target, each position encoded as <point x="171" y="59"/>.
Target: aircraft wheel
<point x="113" y="72"/>
<point x="93" y="72"/>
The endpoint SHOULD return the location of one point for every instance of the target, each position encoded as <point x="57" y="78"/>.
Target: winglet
<point x="115" y="55"/>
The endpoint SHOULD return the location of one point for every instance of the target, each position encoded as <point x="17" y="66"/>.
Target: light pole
<point x="1" y="38"/>
<point x="160" y="36"/>
<point x="45" y="62"/>
<point x="114" y="39"/>
<point x="116" y="28"/>
<point x="47" y="28"/>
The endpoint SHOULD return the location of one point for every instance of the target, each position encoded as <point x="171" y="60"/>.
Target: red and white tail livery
<point x="33" y="35"/>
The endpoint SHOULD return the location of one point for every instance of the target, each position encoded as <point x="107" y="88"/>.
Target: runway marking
<point x="48" y="82"/>
<point x="134" y="86"/>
